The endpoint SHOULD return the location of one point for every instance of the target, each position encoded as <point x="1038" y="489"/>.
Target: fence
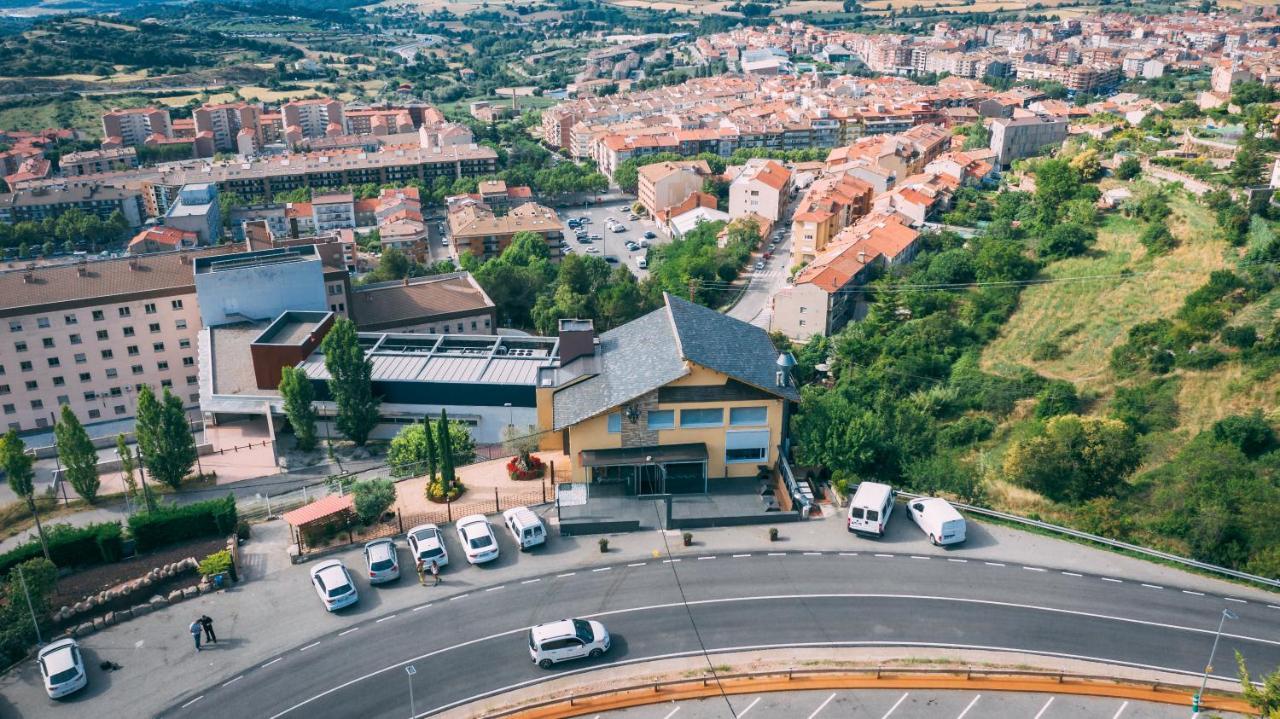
<point x="1116" y="544"/>
<point x="265" y="504"/>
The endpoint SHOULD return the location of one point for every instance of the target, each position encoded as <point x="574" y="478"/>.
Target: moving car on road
<point x="477" y="539"/>
<point x="567" y="639"/>
<point x="333" y="584"/>
<point x="870" y="508"/>
<point x="381" y="560"/>
<point x="938" y="520"/>
<point x="62" y="668"/>
<point x="426" y="542"/>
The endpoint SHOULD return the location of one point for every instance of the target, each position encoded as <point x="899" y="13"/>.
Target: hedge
<point x="71" y="546"/>
<point x="169" y="525"/>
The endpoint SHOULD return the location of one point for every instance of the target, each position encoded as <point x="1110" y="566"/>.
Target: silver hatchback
<point x="381" y="560"/>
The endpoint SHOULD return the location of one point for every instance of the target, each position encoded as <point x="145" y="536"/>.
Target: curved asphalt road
<point x="474" y="645"/>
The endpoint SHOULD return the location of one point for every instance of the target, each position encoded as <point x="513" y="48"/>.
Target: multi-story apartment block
<point x="89" y="335"/>
<point x="474" y="228"/>
<point x="760" y="189"/>
<point x="1015" y="138"/>
<point x="829" y="205"/>
<point x="92" y="162"/>
<point x="666" y="184"/>
<point x="39" y="203"/>
<point x="133" y="127"/>
<point x="197" y="210"/>
<point x="224" y="123"/>
<point x="314" y="118"/>
<point x="333" y="211"/>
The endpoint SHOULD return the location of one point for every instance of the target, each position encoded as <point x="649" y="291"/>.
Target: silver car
<point x="381" y="560"/>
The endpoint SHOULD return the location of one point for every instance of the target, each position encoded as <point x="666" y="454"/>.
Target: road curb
<point x="663" y="691"/>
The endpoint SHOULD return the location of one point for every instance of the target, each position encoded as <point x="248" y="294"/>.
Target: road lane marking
<point x="460" y="596"/>
<point x="566" y="574"/>
<point x="994" y="564"/>
<point x="531" y="581"/>
<point x="1152" y="586"/>
<point x="777" y="554"/>
<point x="896" y="704"/>
<point x="1114" y="581"/>
<point x="379" y="621"/>
<point x="1033" y="569"/>
<point x="885" y="556"/>
<point x="917" y="556"/>
<point x="193" y="701"/>
<point x="966" y="709"/>
<point x="749" y="707"/>
<point x="1237" y="601"/>
<point x="353" y="629"/>
<point x="637" y="564"/>
<point x="602" y="569"/>
<point x="822" y="706"/>
<point x="420" y="607"/>
<point x="740" y="556"/>
<point x="670" y="561"/>
<point x="702" y="558"/>
<point x="273" y="661"/>
<point x="1120" y="711"/>
<point x="673" y="712"/>
<point x="1272" y="606"/>
<point x="813" y="554"/>
<point x="957" y="561"/>
<point x="848" y="554"/>
<point x="791" y="645"/>
<point x="312" y="644"/>
<point x="1194" y="594"/>
<point x="1072" y="574"/>
<point x="232" y="681"/>
<point x="1044" y="708"/>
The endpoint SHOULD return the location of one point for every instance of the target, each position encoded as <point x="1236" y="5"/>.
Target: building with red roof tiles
<point x="761" y="188"/>
<point x="829" y="205"/>
<point x="162" y="239"/>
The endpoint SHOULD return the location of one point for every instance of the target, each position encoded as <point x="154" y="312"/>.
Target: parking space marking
<point x="1152" y="586"/>
<point x="312" y="644"/>
<point x="896" y="704"/>
<point x="749" y="707"/>
<point x="1120" y="711"/>
<point x="966" y="709"/>
<point x="994" y="564"/>
<point x="193" y="701"/>
<point x="353" y="629"/>
<point x="1114" y="581"/>
<point x="420" y="607"/>
<point x="232" y="681"/>
<point x="273" y="661"/>
<point x="1237" y="601"/>
<point x="1072" y="574"/>
<point x="531" y="581"/>
<point x="1044" y="708"/>
<point x="822" y="706"/>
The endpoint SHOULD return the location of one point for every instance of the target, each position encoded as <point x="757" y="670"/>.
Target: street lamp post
<point x="1195" y="701"/>
<point x="411" y="670"/>
<point x="511" y="414"/>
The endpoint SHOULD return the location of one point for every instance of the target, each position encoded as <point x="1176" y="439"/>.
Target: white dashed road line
<point x="1033" y="569"/>
<point x="232" y="681"/>
<point x="460" y="596"/>
<point x="966" y="709"/>
<point x="420" y="607"/>
<point x="494" y="589"/>
<point x="602" y="569"/>
<point x="702" y="558"/>
<point x="743" y="556"/>
<point x="822" y="706"/>
<point x="312" y="644"/>
<point x="1237" y="601"/>
<point x="1272" y="606"/>
<point x="637" y="564"/>
<point x="1194" y="594"/>
<point x="885" y="556"/>
<point x="896" y="704"/>
<point x="1152" y="586"/>
<point x="566" y="574"/>
<point x="531" y="581"/>
<point x="813" y="554"/>
<point x="917" y="556"/>
<point x="1044" y="708"/>
<point x="273" y="661"/>
<point x="848" y="554"/>
<point x="385" y="619"/>
<point x="353" y="629"/>
<point x="994" y="564"/>
<point x="1114" y="581"/>
<point x="777" y="554"/>
<point x="957" y="561"/>
<point x="1072" y="574"/>
<point x="670" y="561"/>
<point x="193" y="701"/>
<point x="1120" y="711"/>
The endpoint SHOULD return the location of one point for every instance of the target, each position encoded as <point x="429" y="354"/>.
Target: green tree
<point x="1266" y="699"/>
<point x="1058" y="397"/>
<point x="1075" y="459"/>
<point x="1251" y="433"/>
<point x="976" y="136"/>
<point x="432" y="451"/>
<point x="164" y="437"/>
<point x="446" y="452"/>
<point x="1056" y="183"/>
<point x="299" y="396"/>
<point x="76" y="453"/>
<point x="1065" y="239"/>
<point x="351" y="382"/>
<point x="17" y="465"/>
<point x="126" y="466"/>
<point x="412" y="452"/>
<point x="1249" y="164"/>
<point x="372" y="498"/>
<point x="1129" y="168"/>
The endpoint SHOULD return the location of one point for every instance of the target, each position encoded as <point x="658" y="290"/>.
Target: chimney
<point x="577" y="339"/>
<point x="862" y="257"/>
<point x="133" y="264"/>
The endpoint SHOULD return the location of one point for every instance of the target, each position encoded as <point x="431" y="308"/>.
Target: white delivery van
<point x="870" y="508"/>
<point x="937" y="519"/>
<point x="525" y="526"/>
<point x="643" y="262"/>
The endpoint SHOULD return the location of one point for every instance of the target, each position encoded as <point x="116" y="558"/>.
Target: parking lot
<point x="613" y="244"/>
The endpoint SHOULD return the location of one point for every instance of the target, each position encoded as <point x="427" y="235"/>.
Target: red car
<point x="768" y="255"/>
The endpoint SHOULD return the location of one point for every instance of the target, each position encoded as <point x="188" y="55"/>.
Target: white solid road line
<point x="896" y="704"/>
<point x="673" y="712"/>
<point x="966" y="709"/>
<point x="749" y="707"/>
<point x="822" y="706"/>
<point x="193" y="701"/>
<point x="1120" y="711"/>
<point x="353" y="629"/>
<point x="1044" y="708"/>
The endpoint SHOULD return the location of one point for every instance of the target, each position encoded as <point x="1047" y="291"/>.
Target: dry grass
<point x="1086" y="318"/>
<point x="1206" y="397"/>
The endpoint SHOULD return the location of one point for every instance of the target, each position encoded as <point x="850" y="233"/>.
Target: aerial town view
<point x="640" y="359"/>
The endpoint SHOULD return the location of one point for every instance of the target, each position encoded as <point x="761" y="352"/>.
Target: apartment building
<point x="224" y="123"/>
<point x="197" y="210"/>
<point x="333" y="211"/>
<point x="159" y="238"/>
<point x="829" y="205"/>
<point x="666" y="184"/>
<point x="259" y="285"/>
<point x="1015" y="138"/>
<point x="89" y="335"/>
<point x="474" y="228"/>
<point x="134" y="126"/>
<point x="92" y="162"/>
<point x="34" y="205"/>
<point x="760" y="189"/>
<point x="314" y="118"/>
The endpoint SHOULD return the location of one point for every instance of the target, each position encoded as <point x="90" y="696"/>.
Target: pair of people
<point x="203" y="625"/>
<point x="434" y="569"/>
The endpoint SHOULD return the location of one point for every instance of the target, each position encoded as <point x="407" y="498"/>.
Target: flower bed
<point x="435" y="492"/>
<point x="525" y="466"/>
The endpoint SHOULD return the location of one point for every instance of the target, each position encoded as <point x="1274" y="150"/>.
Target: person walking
<point x="422" y="572"/>
<point x="195" y="630"/>
<point x="207" y="623"/>
<point x="435" y="572"/>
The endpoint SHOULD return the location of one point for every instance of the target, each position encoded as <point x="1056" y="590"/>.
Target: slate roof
<point x="650" y="352"/>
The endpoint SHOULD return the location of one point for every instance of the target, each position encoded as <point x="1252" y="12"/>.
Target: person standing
<point x="195" y="630"/>
<point x="435" y="572"/>
<point x="422" y="572"/>
<point x="207" y="623"/>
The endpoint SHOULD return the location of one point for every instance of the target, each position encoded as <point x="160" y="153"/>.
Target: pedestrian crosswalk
<point x="768" y="273"/>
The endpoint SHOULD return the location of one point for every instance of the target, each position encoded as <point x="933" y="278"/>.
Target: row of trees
<point x="72" y="230"/>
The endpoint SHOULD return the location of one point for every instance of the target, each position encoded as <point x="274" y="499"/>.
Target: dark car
<point x="611" y="259"/>
<point x="649" y="236"/>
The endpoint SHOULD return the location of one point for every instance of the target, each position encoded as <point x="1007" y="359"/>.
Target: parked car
<point x="870" y="508"/>
<point x="644" y="243"/>
<point x="643" y="262"/>
<point x="760" y="265"/>
<point x="426" y="542"/>
<point x="525" y="527"/>
<point x="382" y="561"/>
<point x="648" y="235"/>
<point x="477" y="539"/>
<point x="593" y="250"/>
<point x="62" y="668"/>
<point x="633" y="217"/>
<point x="768" y="255"/>
<point x="567" y="639"/>
<point x="584" y="220"/>
<point x="611" y="259"/>
<point x="333" y="583"/>
<point x="938" y="520"/>
<point x="632" y="246"/>
<point x="594" y="237"/>
<point x="619" y="228"/>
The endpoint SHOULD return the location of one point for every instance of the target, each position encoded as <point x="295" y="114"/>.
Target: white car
<point x="567" y="639"/>
<point x="333" y="584"/>
<point x="426" y="542"/>
<point x="381" y="560"/>
<point x="477" y="539"/>
<point x="62" y="668"/>
<point x="938" y="520"/>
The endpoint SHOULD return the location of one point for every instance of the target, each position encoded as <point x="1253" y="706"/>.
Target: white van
<point x="643" y="262"/>
<point x="937" y="519"/>
<point x="870" y="508"/>
<point x="525" y="526"/>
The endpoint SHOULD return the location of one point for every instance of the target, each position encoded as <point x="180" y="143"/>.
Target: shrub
<point x="1250" y="433"/>
<point x="242" y="530"/>
<point x="216" y="563"/>
<point x="1149" y="407"/>
<point x="1157" y="239"/>
<point x="1057" y="397"/>
<point x="1045" y="351"/>
<point x="435" y="491"/>
<point x="372" y="499"/>
<point x="170" y="525"/>
<point x="966" y="431"/>
<point x="71" y="546"/>
<point x="1242" y="337"/>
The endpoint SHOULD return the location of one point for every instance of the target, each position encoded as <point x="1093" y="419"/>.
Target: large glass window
<point x="662" y="419"/>
<point x="748" y="416"/>
<point x="702" y="417"/>
<point x="743" y="447"/>
<point x="615" y="423"/>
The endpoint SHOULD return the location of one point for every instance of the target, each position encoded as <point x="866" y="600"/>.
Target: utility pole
<point x="30" y="606"/>
<point x="1195" y="701"/>
<point x="142" y="475"/>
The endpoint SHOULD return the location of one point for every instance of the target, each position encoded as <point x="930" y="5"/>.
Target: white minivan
<point x="870" y="508"/>
<point x="525" y="527"/>
<point x="937" y="519"/>
<point x="567" y="639"/>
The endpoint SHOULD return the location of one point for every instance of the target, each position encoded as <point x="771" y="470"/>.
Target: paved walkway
<point x="278" y="608"/>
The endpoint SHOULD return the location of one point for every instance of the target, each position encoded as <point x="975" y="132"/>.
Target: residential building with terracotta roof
<point x="92" y="162"/>
<point x="665" y="184"/>
<point x="134" y="126"/>
<point x="224" y="122"/>
<point x="474" y="228"/>
<point x="761" y="188"/>
<point x="829" y="205"/>
<point x="160" y="238"/>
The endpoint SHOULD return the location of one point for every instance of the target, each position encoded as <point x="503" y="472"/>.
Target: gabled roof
<point x="651" y="351"/>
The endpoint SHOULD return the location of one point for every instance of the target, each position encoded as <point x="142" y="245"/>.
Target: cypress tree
<point x="79" y="458"/>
